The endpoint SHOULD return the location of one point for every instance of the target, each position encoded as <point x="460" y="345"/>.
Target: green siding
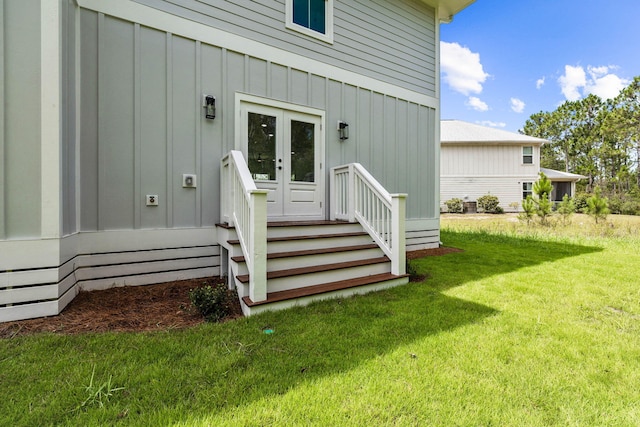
<point x="21" y="131"/>
<point x="390" y="40"/>
<point x="143" y="127"/>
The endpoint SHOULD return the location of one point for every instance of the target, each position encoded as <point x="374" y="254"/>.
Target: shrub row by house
<point x="487" y="204"/>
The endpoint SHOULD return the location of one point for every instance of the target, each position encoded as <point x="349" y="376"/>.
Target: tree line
<point x="597" y="138"/>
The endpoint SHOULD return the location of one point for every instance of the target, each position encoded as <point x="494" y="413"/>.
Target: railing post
<point x="398" y="238"/>
<point x="351" y="193"/>
<point x="258" y="245"/>
<point x="333" y="196"/>
<point x="225" y="189"/>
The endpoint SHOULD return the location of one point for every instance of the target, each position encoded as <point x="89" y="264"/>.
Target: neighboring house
<point x="146" y="141"/>
<point x="478" y="160"/>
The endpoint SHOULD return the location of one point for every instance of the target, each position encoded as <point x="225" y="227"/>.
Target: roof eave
<point x="448" y="8"/>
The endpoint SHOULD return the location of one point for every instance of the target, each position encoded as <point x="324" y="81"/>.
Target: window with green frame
<point x="527" y="189"/>
<point x="311" y="17"/>
<point x="527" y="155"/>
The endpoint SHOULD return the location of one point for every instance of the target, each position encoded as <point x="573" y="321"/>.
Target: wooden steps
<point x="310" y="260"/>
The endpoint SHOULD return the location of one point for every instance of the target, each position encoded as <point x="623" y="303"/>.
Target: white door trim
<point x="243" y="99"/>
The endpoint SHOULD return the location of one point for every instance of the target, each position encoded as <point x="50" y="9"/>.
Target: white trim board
<point x="150" y="17"/>
<point x="50" y="122"/>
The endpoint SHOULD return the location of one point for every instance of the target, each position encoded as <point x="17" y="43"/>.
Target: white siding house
<point x="144" y="141"/>
<point x="478" y="160"/>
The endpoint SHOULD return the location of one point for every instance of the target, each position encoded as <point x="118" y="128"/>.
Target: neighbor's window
<point x="527" y="189"/>
<point x="311" y="17"/>
<point x="527" y="155"/>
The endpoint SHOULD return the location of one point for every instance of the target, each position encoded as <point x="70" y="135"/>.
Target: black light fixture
<point x="343" y="130"/>
<point x="209" y="104"/>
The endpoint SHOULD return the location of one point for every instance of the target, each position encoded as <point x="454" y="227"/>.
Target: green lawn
<point x="527" y="326"/>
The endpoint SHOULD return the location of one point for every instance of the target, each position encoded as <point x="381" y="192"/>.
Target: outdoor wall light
<point x="209" y="104"/>
<point x="343" y="130"/>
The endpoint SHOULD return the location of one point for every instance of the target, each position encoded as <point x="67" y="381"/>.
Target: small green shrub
<point x="566" y="208"/>
<point x="212" y="302"/>
<point x="615" y="204"/>
<point x="597" y="206"/>
<point x="630" y="207"/>
<point x="454" y="205"/>
<point x="528" y="210"/>
<point x="489" y="204"/>
<point x="580" y="201"/>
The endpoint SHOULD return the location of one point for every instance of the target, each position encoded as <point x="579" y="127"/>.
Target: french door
<point x="284" y="150"/>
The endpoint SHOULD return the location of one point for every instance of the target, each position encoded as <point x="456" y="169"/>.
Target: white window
<point x="527" y="155"/>
<point x="311" y="17"/>
<point x="527" y="189"/>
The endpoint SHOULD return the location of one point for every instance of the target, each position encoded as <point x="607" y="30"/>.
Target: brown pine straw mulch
<point x="159" y="307"/>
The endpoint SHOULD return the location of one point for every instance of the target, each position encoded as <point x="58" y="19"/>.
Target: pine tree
<point x="542" y="189"/>
<point x="597" y="206"/>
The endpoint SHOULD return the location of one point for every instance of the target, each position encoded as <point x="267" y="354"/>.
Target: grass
<point x="528" y="326"/>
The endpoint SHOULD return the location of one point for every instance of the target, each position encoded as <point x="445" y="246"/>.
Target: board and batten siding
<point x="390" y="40"/>
<point x="20" y="179"/>
<point x="469" y="171"/>
<point x="143" y="126"/>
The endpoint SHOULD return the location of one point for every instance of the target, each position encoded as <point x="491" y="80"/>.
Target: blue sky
<point x="504" y="60"/>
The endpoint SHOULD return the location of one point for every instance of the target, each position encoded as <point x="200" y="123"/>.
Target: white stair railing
<point x="244" y="207"/>
<point x="357" y="195"/>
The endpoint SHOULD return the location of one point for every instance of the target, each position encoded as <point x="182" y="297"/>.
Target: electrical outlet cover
<point x="152" y="200"/>
<point x="189" y="180"/>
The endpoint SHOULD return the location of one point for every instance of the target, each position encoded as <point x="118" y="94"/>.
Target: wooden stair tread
<point x="294" y="223"/>
<point x="244" y="278"/>
<point x="306" y="237"/>
<point x="312" y="252"/>
<point x="322" y="288"/>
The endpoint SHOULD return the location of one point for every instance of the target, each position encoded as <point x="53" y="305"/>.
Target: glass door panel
<point x="261" y="150"/>
<point x="302" y="151"/>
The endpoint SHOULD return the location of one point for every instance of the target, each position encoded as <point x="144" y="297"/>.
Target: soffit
<point x="448" y="8"/>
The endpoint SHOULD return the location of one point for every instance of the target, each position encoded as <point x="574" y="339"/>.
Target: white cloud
<point x="476" y="103"/>
<point x="540" y="82"/>
<point x="517" y="105"/>
<point x="461" y="68"/>
<point x="603" y="84"/>
<point x="492" y="124"/>
<point x="600" y="81"/>
<point x="573" y="79"/>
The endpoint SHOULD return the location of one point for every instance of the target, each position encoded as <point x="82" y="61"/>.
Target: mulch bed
<point x="137" y="308"/>
<point x="121" y="309"/>
<point x="442" y="250"/>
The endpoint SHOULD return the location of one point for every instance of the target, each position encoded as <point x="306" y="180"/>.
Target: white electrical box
<point x="189" y="180"/>
<point x="152" y="200"/>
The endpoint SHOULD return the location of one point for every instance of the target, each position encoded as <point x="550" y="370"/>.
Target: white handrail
<point x="357" y="195"/>
<point x="244" y="207"/>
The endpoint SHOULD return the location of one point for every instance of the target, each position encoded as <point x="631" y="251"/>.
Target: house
<point x="289" y="144"/>
<point x="478" y="160"/>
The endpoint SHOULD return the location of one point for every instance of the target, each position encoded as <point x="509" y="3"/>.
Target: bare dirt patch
<point x="137" y="308"/>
